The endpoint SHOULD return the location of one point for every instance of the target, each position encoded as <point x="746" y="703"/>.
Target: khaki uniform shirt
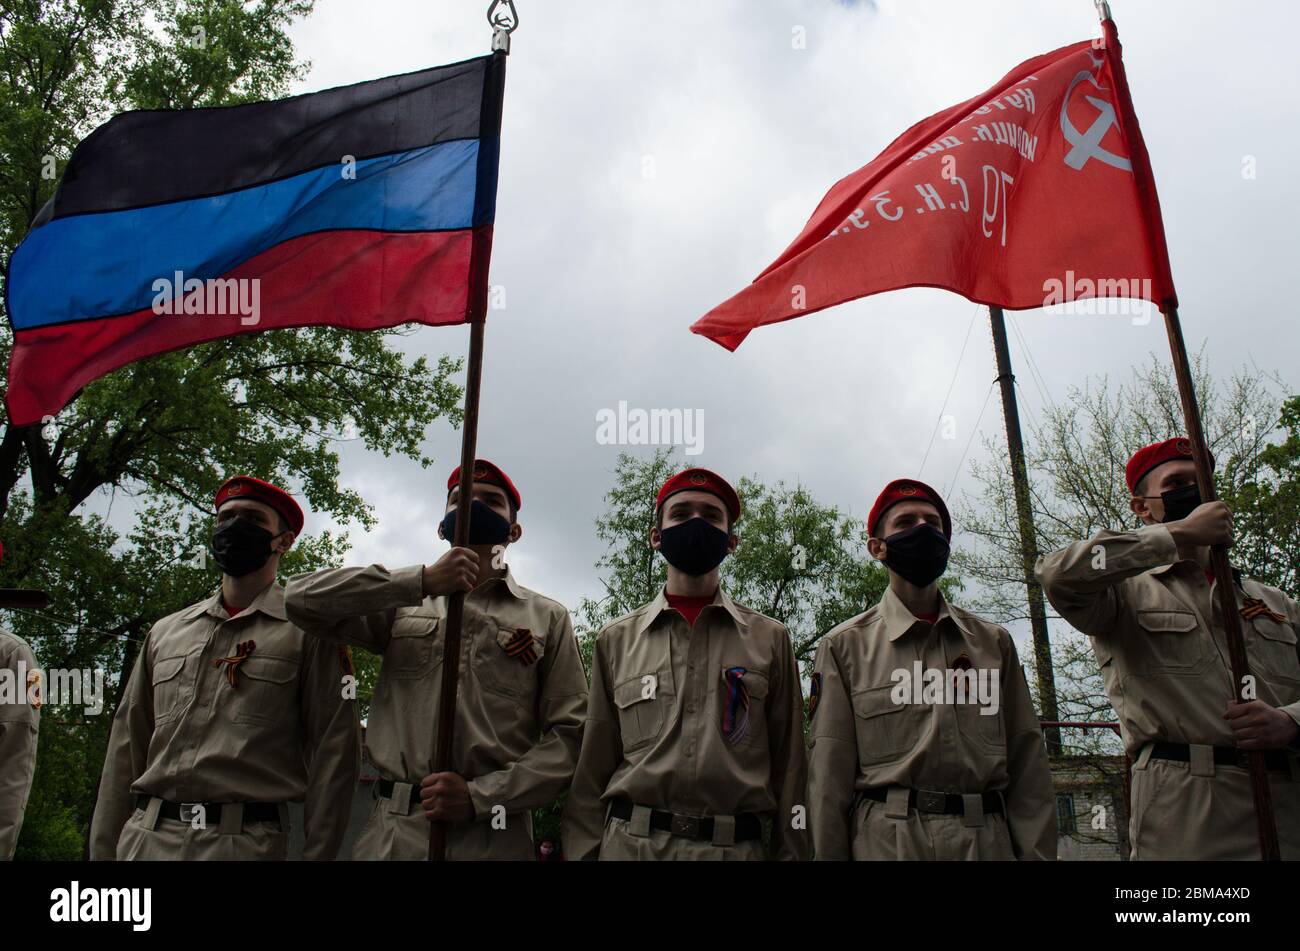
<point x="18" y="724"/>
<point x="654" y="731"/>
<point x="518" y="717"/>
<point x="284" y="733"/>
<point x="863" y="739"/>
<point x="1157" y="630"/>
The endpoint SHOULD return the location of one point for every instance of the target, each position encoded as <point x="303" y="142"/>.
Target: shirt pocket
<point x="641" y="702"/>
<point x="1274" y="652"/>
<point x="414" y="648"/>
<point x="507" y="664"/>
<point x="266" y="691"/>
<point x="167" y="683"/>
<point x="1171" y="640"/>
<point x="885" y="728"/>
<point x="988" y="729"/>
<point x="756" y="684"/>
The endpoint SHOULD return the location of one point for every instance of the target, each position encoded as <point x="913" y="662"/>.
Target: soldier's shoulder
<point x="977" y="625"/>
<point x="1265" y="592"/>
<point x="13" y="649"/>
<point x="621" y="625"/>
<point x="545" y="603"/>
<point x="855" y="627"/>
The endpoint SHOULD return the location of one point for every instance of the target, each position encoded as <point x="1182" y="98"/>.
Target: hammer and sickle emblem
<point x="1087" y="145"/>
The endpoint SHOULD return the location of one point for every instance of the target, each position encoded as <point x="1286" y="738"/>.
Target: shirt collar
<point x="510" y="584"/>
<point x="899" y="619"/>
<point x="651" y="612"/>
<point x="270" y="602"/>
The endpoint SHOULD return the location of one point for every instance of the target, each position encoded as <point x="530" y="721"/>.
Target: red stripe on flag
<point x="362" y="280"/>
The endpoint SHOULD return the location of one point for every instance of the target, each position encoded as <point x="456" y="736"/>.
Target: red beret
<point x="701" y="480"/>
<point x="246" y="487"/>
<point x="904" y="490"/>
<point x="1158" y="453"/>
<point x="485" y="471"/>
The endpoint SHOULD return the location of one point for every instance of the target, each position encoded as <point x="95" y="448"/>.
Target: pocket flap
<point x="1274" y="631"/>
<point x="1167" y="622"/>
<point x="634" y="690"/>
<point x="275" y="670"/>
<point x="415" y="625"/>
<point x="167" y="668"/>
<point x="875" y="702"/>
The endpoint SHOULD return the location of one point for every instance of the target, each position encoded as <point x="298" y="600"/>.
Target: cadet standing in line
<point x="695" y="724"/>
<point x="1146" y="599"/>
<point x="19" y="720"/>
<point x="924" y="742"/>
<point x="231" y="713"/>
<point x="519" y="701"/>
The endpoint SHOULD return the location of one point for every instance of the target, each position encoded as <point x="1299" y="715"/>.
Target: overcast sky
<point x="605" y="268"/>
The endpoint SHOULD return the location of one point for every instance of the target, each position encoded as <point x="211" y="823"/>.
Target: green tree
<point x="148" y="445"/>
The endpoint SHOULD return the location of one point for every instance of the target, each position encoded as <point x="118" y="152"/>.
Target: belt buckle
<point x="927" y="800"/>
<point x="187" y="811"/>
<point x="1243" y="758"/>
<point x="686" y="826"/>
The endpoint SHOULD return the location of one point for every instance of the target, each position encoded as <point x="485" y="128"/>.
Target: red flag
<point x="1037" y="192"/>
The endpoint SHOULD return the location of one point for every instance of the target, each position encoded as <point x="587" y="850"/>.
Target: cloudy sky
<point x="604" y="266"/>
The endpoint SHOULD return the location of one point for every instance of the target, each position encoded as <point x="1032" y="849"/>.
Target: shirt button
<point x="690" y="708"/>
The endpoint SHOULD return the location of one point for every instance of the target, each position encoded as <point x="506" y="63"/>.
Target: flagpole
<point x="502" y="26"/>
<point x="1222" y="570"/>
<point x="1028" y="537"/>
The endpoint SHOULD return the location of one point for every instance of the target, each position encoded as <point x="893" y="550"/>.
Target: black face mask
<point x="240" y="547"/>
<point x="486" y="527"/>
<point x="694" y="547"/>
<point x="918" y="555"/>
<point x="1180" y="502"/>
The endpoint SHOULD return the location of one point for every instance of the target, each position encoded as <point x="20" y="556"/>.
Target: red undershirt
<point x="229" y="610"/>
<point x="928" y="618"/>
<point x="689" y="607"/>
<point x="1209" y="577"/>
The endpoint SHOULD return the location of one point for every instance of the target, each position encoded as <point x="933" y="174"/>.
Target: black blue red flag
<point x="363" y="206"/>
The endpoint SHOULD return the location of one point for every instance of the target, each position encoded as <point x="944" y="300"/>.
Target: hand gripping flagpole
<point x="1225" y="585"/>
<point x="504" y="22"/>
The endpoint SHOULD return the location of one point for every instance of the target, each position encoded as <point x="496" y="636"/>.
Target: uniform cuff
<point x="481" y="799"/>
<point x="1161" y="544"/>
<point x="409" y="582"/>
<point x="1293" y="711"/>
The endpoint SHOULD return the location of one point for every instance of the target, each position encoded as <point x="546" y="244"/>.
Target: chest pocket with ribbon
<point x="742" y="716"/>
<point x="1271" y="645"/>
<point x="506" y="659"/>
<point x="414" y="647"/>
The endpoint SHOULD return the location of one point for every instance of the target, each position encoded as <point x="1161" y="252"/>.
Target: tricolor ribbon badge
<point x="735" y="709"/>
<point x="521" y="647"/>
<point x="1252" y="608"/>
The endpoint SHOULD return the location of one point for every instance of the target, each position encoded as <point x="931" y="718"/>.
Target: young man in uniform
<point x="519" y="701"/>
<point x="1146" y="600"/>
<point x="924" y="742"/>
<point x="19" y="720"/>
<point x="695" y="723"/>
<point x="231" y="713"/>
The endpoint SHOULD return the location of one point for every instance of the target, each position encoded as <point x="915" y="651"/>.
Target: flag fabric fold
<point x="363" y="206"/>
<point x="1036" y="192"/>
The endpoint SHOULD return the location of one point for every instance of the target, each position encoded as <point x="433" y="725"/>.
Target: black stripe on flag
<point x="153" y="157"/>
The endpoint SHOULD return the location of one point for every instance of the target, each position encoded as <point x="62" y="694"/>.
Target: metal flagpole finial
<point x="1103" y="9"/>
<point x="505" y="20"/>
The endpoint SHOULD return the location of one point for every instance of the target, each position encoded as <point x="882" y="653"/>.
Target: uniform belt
<point x="1223" y="755"/>
<point x="748" y="825"/>
<point x="386" y="790"/>
<point x="925" y="800"/>
<point x="184" y="811"/>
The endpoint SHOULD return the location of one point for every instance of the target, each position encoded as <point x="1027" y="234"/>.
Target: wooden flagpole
<point x="503" y="24"/>
<point x="1225" y="585"/>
